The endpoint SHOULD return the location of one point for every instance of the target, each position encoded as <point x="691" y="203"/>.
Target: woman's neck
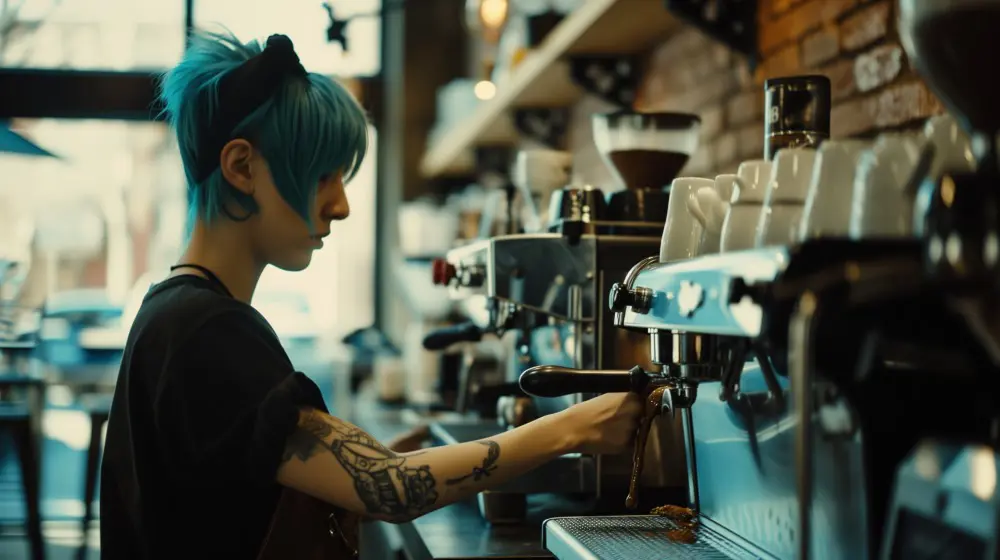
<point x="224" y="250"/>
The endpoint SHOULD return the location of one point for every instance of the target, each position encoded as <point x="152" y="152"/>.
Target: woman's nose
<point x="338" y="209"/>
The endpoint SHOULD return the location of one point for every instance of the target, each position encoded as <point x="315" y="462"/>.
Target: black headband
<point x="241" y="92"/>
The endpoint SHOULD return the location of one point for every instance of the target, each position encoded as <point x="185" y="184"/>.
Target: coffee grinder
<point x="645" y="152"/>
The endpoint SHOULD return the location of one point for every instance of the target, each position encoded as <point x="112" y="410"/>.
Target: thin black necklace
<point x="209" y="275"/>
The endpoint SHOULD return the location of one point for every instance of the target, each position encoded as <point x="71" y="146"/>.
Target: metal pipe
<point x="465" y="380"/>
<point x="800" y="339"/>
<point x="630" y="278"/>
<point x="687" y="422"/>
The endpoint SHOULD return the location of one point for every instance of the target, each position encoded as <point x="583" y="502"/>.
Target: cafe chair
<point x="98" y="407"/>
<point x="18" y="419"/>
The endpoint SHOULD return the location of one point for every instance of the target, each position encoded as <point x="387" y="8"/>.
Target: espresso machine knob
<point x="442" y="272"/>
<point x="639" y="299"/>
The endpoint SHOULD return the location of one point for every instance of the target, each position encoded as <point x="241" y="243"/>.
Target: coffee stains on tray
<point x="682" y="535"/>
<point x="678" y="514"/>
<point x="684" y="518"/>
<point x="654" y="402"/>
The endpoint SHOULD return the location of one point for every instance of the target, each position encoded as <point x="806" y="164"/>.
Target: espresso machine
<point x="548" y="288"/>
<point x="712" y="369"/>
<point x="840" y="397"/>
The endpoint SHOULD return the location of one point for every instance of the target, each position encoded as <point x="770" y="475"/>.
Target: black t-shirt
<point x="205" y="399"/>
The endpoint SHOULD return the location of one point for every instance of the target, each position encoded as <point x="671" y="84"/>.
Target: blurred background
<point x="93" y="203"/>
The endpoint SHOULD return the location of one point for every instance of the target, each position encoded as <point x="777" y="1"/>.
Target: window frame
<point x="36" y="93"/>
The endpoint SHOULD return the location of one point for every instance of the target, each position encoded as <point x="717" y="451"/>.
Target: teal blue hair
<point x="307" y="130"/>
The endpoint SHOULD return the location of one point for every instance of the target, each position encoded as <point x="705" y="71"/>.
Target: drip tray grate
<point x="635" y="537"/>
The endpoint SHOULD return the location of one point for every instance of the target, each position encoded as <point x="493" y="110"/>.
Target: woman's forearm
<point x="465" y="469"/>
<point x="398" y="487"/>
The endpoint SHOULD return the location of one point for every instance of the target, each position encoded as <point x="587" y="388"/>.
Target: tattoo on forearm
<point x="309" y="439"/>
<point x="386" y="484"/>
<point x="489" y="464"/>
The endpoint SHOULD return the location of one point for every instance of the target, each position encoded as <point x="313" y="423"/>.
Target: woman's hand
<point x="411" y="440"/>
<point x="605" y="424"/>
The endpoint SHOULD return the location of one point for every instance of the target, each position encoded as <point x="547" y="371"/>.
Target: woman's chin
<point x="294" y="262"/>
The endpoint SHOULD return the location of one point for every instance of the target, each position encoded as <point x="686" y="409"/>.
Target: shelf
<point x="605" y="27"/>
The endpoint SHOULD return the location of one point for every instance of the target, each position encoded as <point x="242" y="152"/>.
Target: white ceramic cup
<point x="745" y="203"/>
<point x="881" y="205"/>
<point x="682" y="232"/>
<point x="752" y="179"/>
<point x="739" y="228"/>
<point x="785" y="197"/>
<point x="725" y="185"/>
<point x="709" y="211"/>
<point x="709" y="206"/>
<point x="827" y="211"/>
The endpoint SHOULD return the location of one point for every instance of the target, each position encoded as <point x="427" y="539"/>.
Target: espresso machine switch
<point x="640" y="299"/>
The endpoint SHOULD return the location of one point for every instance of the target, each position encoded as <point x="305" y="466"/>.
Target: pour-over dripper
<point x="646" y="150"/>
<point x="950" y="45"/>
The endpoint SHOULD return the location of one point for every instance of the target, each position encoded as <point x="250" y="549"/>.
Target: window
<point x="91" y="34"/>
<point x="149" y="34"/>
<point x="113" y="206"/>
<point x="92" y="208"/>
<point x="305" y="22"/>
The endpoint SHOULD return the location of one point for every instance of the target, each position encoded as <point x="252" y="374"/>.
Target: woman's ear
<point x="235" y="163"/>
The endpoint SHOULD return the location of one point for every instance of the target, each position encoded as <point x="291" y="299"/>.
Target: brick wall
<point x="853" y="42"/>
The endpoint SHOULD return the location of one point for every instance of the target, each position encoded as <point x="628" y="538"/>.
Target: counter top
<point x="458" y="530"/>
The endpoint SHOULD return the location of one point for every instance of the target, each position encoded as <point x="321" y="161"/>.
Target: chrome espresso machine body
<point x="865" y="426"/>
<point x="549" y="287"/>
<point x="719" y="328"/>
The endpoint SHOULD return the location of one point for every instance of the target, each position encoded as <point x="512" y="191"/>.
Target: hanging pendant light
<point x="487" y="17"/>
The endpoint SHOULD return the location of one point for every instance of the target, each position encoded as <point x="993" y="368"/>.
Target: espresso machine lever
<point x="444" y="337"/>
<point x="555" y="381"/>
<point x="658" y="391"/>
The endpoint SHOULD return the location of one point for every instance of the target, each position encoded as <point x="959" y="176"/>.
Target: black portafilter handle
<point x="556" y="381"/>
<point x="446" y="336"/>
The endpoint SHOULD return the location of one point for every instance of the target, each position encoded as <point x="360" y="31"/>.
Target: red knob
<point x="442" y="271"/>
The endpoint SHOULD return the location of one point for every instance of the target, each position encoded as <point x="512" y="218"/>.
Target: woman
<point x="211" y="425"/>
